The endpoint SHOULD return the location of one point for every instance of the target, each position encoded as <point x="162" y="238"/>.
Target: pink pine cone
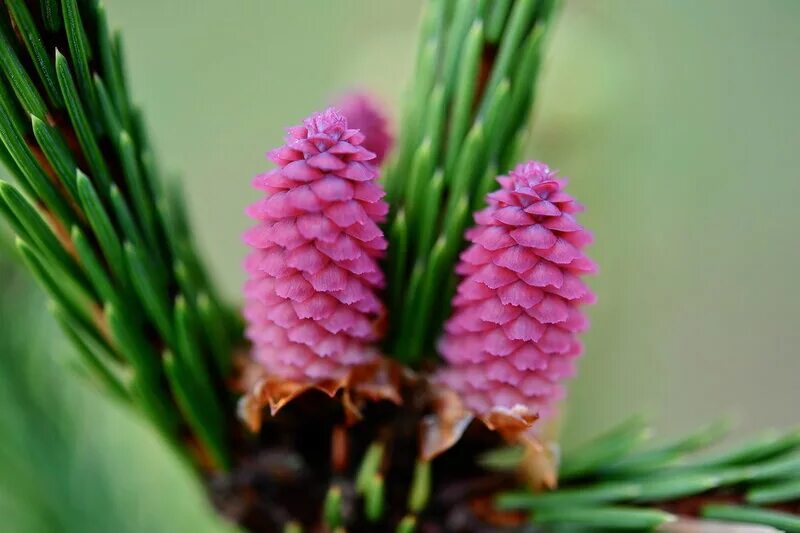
<point x="364" y="113"/>
<point x="512" y="337"/>
<point x="310" y="299"/>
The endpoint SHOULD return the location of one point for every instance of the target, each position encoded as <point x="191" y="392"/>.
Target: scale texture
<point x="512" y="337"/>
<point x="311" y="301"/>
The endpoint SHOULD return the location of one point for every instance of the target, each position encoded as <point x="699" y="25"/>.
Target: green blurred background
<point x="678" y="122"/>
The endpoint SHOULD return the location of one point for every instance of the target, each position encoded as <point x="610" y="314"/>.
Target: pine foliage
<point x="465" y="116"/>
<point x="614" y="481"/>
<point x="107" y="239"/>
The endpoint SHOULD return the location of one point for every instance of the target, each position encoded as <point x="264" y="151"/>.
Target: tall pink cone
<point x="311" y="304"/>
<point x="364" y="113"/>
<point x="512" y="337"/>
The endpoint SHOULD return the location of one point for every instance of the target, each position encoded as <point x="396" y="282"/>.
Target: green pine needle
<point x="420" y="487"/>
<point x="80" y="54"/>
<point x="204" y="422"/>
<point x="94" y="268"/>
<point x="605" y="518"/>
<point x="407" y="525"/>
<point x="80" y="121"/>
<point x="332" y="508"/>
<point x="51" y="13"/>
<point x="151" y="291"/>
<point x="370" y="466"/>
<point x="33" y="42"/>
<point x="58" y="155"/>
<point x="466" y="84"/>
<point x="20" y="80"/>
<point x="753" y="515"/>
<point x="374" y="498"/>
<point x="102" y="226"/>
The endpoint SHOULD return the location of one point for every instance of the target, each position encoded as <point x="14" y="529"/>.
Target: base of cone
<point x="380" y="380"/>
<point x="314" y="442"/>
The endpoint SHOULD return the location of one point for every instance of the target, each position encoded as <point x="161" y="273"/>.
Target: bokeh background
<point x="678" y="122"/>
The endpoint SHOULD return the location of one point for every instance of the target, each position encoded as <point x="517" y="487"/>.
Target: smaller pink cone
<point x="365" y="113"/>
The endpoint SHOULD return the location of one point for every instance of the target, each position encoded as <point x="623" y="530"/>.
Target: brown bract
<point x="384" y="380"/>
<point x="442" y="429"/>
<point x="375" y="381"/>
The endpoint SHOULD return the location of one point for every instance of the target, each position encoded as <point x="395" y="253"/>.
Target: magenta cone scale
<point x="311" y="303"/>
<point x="364" y="113"/>
<point x="512" y="337"/>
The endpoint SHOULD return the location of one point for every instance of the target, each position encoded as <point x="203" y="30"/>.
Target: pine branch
<point x="612" y="482"/>
<point x="106" y="238"/>
<point x="466" y="111"/>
